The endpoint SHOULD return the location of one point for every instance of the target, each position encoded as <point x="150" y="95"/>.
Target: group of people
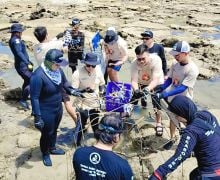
<point x="48" y="88"/>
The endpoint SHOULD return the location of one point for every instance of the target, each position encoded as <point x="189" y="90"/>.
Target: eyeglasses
<point x="145" y="38"/>
<point x="88" y="65"/>
<point x="141" y="59"/>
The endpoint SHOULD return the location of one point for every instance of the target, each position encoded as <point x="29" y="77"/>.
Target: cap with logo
<point x="110" y="37"/>
<point x="75" y="21"/>
<point x="147" y="33"/>
<point x="180" y="47"/>
<point x="56" y="56"/>
<point x="16" y="28"/>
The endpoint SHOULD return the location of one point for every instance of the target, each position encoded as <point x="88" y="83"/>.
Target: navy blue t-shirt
<point x="91" y="163"/>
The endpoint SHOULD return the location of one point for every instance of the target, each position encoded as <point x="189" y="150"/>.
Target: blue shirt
<point x="199" y="138"/>
<point x="91" y="163"/>
<point x="18" y="48"/>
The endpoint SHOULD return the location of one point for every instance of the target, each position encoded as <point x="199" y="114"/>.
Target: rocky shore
<point x="197" y="22"/>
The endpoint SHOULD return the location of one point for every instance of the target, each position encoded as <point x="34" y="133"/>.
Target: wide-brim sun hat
<point x="56" y="56"/>
<point x="91" y="59"/>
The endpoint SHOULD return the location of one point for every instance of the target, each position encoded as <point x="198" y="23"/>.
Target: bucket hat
<point x="91" y="59"/>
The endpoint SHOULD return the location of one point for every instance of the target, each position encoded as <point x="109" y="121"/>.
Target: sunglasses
<point x="88" y="65"/>
<point x="145" y="38"/>
<point x="141" y="59"/>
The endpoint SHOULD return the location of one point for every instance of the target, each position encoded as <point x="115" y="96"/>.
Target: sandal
<point x="159" y="130"/>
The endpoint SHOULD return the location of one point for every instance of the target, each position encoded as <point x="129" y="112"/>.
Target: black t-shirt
<point x="91" y="163"/>
<point x="159" y="50"/>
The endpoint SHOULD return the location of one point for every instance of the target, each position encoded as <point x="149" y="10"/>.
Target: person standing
<point x="40" y="51"/>
<point x="46" y="85"/>
<point x="147" y="37"/>
<point x="146" y="74"/>
<point x="115" y="54"/>
<point x="23" y="65"/>
<point x="90" y="80"/>
<point x="181" y="80"/>
<point x="99" y="161"/>
<point x="201" y="136"/>
<point x="74" y="40"/>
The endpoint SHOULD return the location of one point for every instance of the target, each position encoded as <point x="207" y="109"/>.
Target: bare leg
<point x="172" y="130"/>
<point x="113" y="75"/>
<point x="71" y="110"/>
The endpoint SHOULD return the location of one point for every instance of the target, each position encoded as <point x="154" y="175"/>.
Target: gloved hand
<point x="30" y="66"/>
<point x="73" y="91"/>
<point x="38" y="123"/>
<point x="60" y="35"/>
<point x="102" y="90"/>
<point x="138" y="94"/>
<point x="159" y="96"/>
<point x="158" y="89"/>
<point x="146" y="91"/>
<point x="88" y="90"/>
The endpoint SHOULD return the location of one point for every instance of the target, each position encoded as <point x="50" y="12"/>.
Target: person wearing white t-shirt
<point x="181" y="80"/>
<point x="40" y="51"/>
<point x="146" y="74"/>
<point x="115" y="54"/>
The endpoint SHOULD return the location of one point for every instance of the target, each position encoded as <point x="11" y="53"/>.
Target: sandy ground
<point x="196" y="22"/>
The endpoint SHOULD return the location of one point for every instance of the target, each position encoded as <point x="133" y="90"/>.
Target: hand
<point x="159" y="96"/>
<point x="138" y="94"/>
<point x="38" y="123"/>
<point x="88" y="90"/>
<point x="60" y="35"/>
<point x="158" y="89"/>
<point x="156" y="176"/>
<point x="76" y="92"/>
<point x="146" y="91"/>
<point x="30" y="67"/>
<point x="102" y="90"/>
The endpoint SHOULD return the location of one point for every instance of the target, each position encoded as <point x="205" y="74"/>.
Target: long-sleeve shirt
<point x="18" y="48"/>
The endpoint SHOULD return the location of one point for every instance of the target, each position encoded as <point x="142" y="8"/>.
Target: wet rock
<point x="12" y="94"/>
<point x="169" y="42"/>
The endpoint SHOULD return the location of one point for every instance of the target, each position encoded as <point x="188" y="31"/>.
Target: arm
<point x="177" y="90"/>
<point x="164" y="61"/>
<point x="18" y="51"/>
<point x="183" y="151"/>
<point x="35" y="89"/>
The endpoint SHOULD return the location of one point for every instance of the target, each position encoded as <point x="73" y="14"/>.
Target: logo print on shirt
<point x="94" y="158"/>
<point x="145" y="77"/>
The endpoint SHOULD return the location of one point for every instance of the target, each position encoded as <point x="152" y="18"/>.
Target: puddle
<point x="177" y="33"/>
<point x="217" y="27"/>
<point x="215" y="36"/>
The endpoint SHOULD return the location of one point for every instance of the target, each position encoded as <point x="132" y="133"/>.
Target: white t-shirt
<point x="144" y="74"/>
<point x="185" y="75"/>
<point x="41" y="49"/>
<point x="115" y="51"/>
<point x="82" y="79"/>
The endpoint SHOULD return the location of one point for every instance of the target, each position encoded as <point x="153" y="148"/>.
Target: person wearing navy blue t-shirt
<point x="201" y="135"/>
<point x="147" y="37"/>
<point x="99" y="161"/>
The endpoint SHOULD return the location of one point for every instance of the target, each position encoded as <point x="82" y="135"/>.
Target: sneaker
<point x="57" y="151"/>
<point x="46" y="160"/>
<point x="169" y="144"/>
<point x="24" y="104"/>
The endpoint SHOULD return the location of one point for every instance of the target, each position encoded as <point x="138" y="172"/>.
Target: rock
<point x="12" y="94"/>
<point x="169" y="42"/>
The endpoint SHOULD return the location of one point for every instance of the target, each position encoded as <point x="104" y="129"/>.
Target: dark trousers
<point x="93" y="115"/>
<point x="49" y="132"/>
<point x="73" y="59"/>
<point x="25" y="74"/>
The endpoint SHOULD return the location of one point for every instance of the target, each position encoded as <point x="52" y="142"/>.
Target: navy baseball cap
<point x="180" y="47"/>
<point x="56" y="56"/>
<point x="110" y="36"/>
<point x="91" y="59"/>
<point x="147" y="33"/>
<point x="16" y="28"/>
<point x="75" y="21"/>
